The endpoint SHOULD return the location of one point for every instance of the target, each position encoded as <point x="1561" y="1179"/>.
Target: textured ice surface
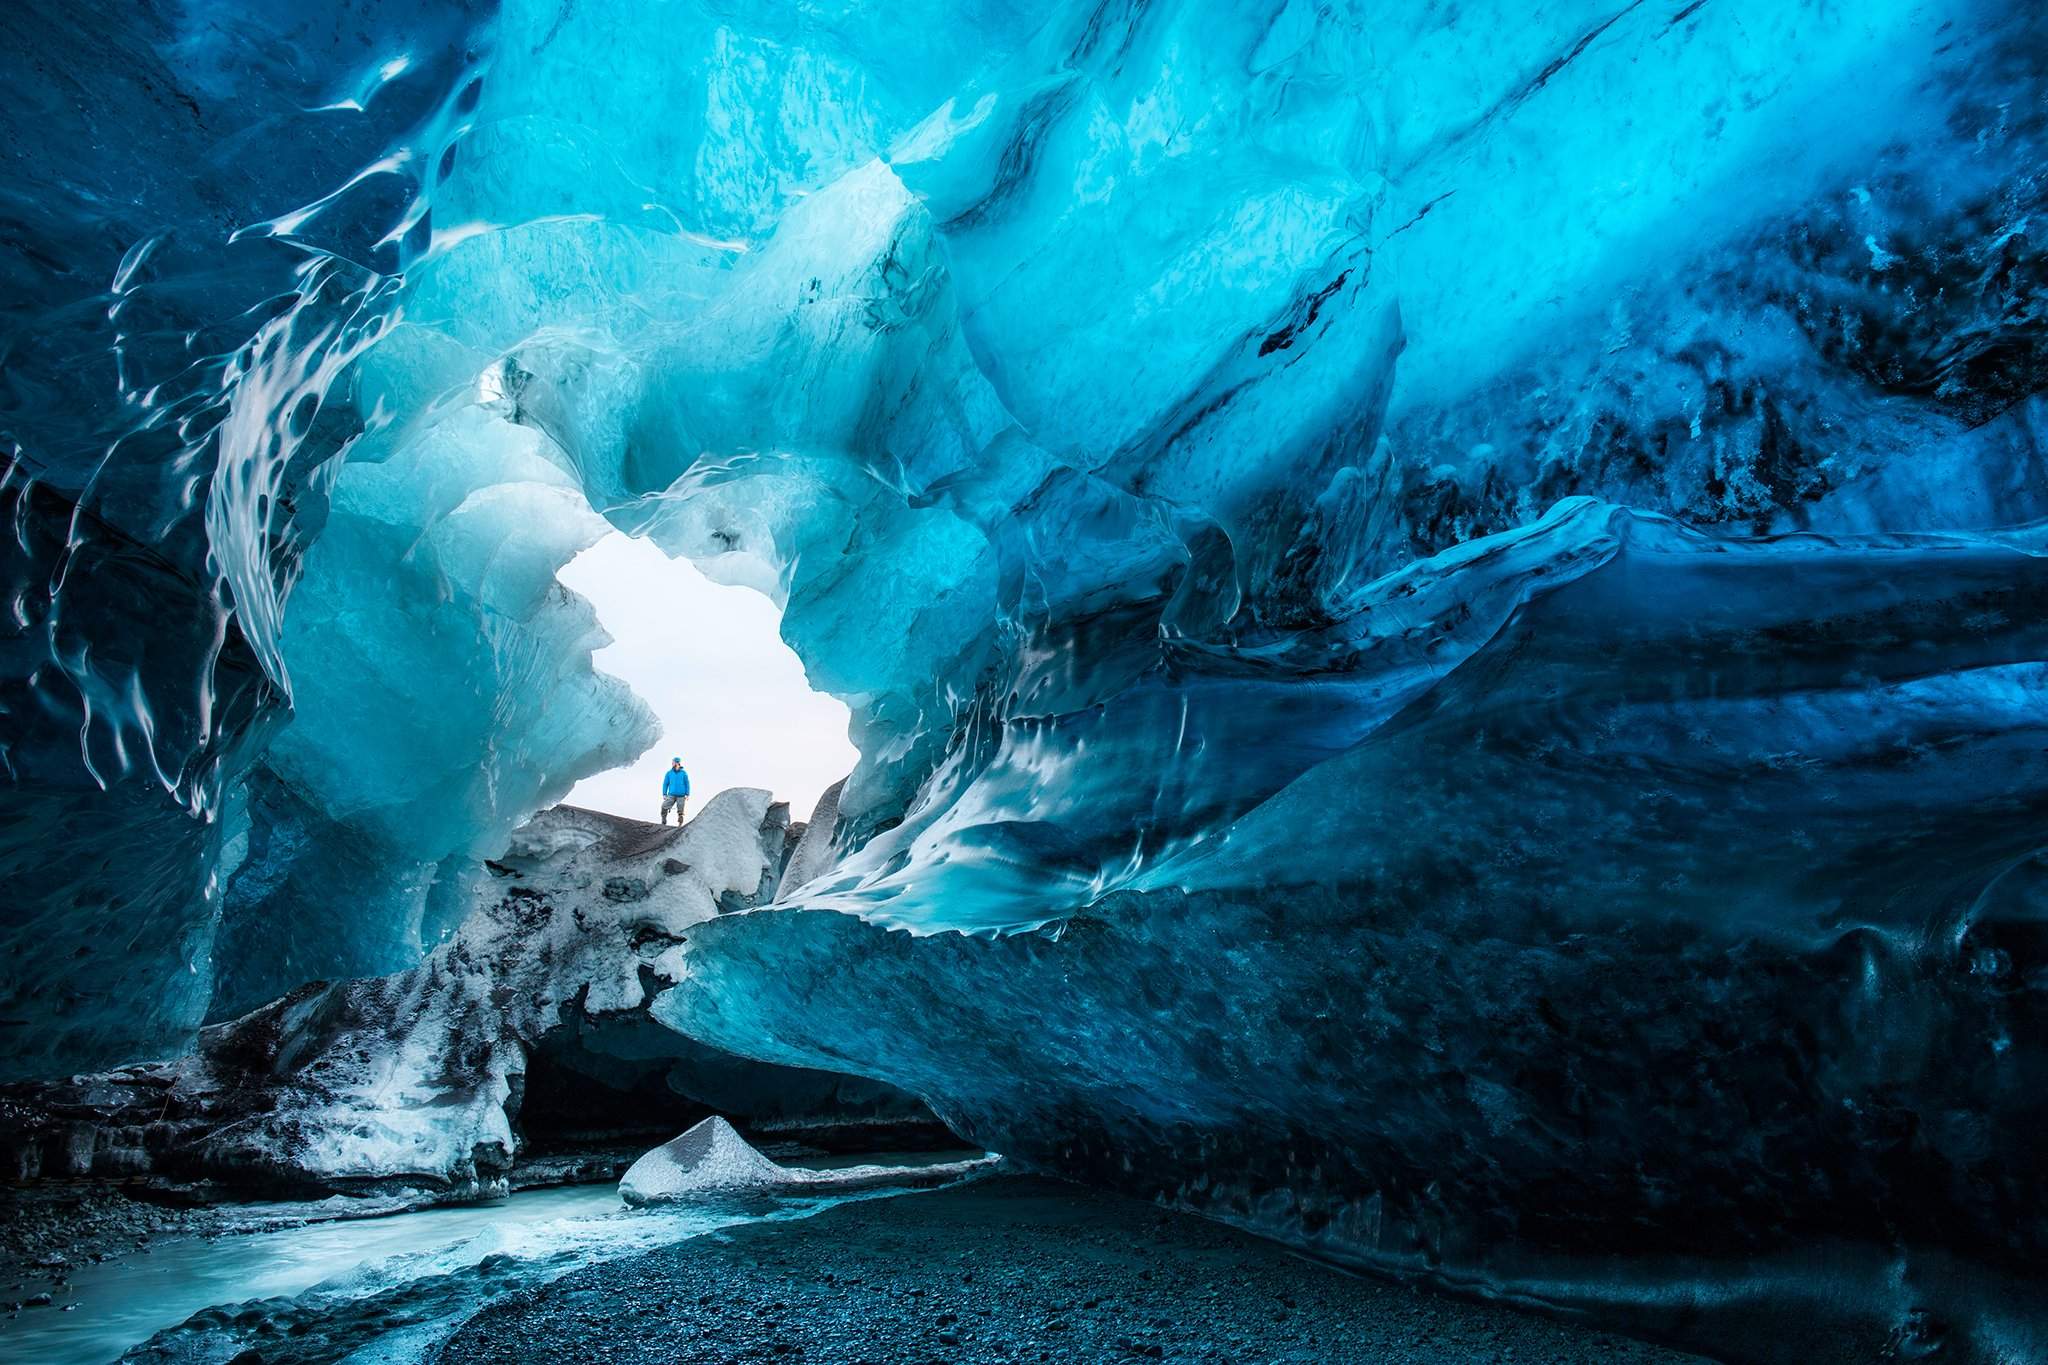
<point x="442" y="691"/>
<point x="420" y="1077"/>
<point x="1640" y="897"/>
<point x="208" y="210"/>
<point x="812" y="856"/>
<point x="709" y="1157"/>
<point x="1441" y="604"/>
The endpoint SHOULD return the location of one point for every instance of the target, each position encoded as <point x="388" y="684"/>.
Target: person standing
<point x="675" y="791"/>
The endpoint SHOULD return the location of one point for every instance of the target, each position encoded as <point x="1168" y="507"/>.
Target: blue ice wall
<point x="207" y="207"/>
<point x="1445" y="598"/>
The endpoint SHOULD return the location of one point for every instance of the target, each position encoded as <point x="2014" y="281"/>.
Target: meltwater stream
<point x="382" y="1289"/>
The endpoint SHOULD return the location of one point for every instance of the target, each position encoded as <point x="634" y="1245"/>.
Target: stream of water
<point x="363" y="1290"/>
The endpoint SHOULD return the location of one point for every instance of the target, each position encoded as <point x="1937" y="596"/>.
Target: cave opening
<point x="731" y="697"/>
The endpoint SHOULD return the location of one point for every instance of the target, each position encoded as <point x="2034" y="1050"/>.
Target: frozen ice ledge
<point x="1443" y="607"/>
<point x="524" y="1038"/>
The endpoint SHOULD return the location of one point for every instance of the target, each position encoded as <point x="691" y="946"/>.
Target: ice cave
<point x="1440" y="614"/>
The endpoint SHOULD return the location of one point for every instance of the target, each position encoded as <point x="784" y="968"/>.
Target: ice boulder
<point x="710" y="1156"/>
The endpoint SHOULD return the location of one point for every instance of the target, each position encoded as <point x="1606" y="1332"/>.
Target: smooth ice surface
<point x="730" y="696"/>
<point x="1440" y="604"/>
<point x="123" y="1303"/>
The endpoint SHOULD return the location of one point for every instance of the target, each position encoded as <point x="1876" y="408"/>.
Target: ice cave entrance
<point x="731" y="696"/>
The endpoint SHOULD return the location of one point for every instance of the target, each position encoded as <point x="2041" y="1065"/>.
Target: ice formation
<point x="441" y="692"/>
<point x="713" y="1159"/>
<point x="709" y="1157"/>
<point x="423" y="1078"/>
<point x="1442" y="604"/>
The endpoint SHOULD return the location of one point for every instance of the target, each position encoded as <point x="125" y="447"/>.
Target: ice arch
<point x="529" y="433"/>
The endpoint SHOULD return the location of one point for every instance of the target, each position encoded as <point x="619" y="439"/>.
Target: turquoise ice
<point x="1442" y="604"/>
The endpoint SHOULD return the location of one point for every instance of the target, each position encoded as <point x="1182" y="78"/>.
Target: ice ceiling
<point x="1451" y="596"/>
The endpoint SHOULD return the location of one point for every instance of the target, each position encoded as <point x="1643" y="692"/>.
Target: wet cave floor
<point x="1014" y="1269"/>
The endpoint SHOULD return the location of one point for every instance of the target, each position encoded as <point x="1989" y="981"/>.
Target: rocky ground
<point x="1009" y="1270"/>
<point x="47" y="1232"/>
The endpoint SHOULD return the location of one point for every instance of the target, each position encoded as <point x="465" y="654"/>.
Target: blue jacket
<point x="675" y="783"/>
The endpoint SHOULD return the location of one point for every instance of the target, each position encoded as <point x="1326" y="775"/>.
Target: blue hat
<point x="675" y="760"/>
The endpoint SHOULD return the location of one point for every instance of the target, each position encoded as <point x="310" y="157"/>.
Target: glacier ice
<point x="710" y="1157"/>
<point x="1685" y="881"/>
<point x="1441" y="605"/>
<point x="441" y="692"/>
<point x="426" y="1077"/>
<point x="207" y="212"/>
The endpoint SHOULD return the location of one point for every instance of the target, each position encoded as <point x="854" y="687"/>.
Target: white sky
<point x="731" y="696"/>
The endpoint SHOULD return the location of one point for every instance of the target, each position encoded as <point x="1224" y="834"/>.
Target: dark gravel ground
<point x="1011" y="1270"/>
<point x="48" y="1231"/>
